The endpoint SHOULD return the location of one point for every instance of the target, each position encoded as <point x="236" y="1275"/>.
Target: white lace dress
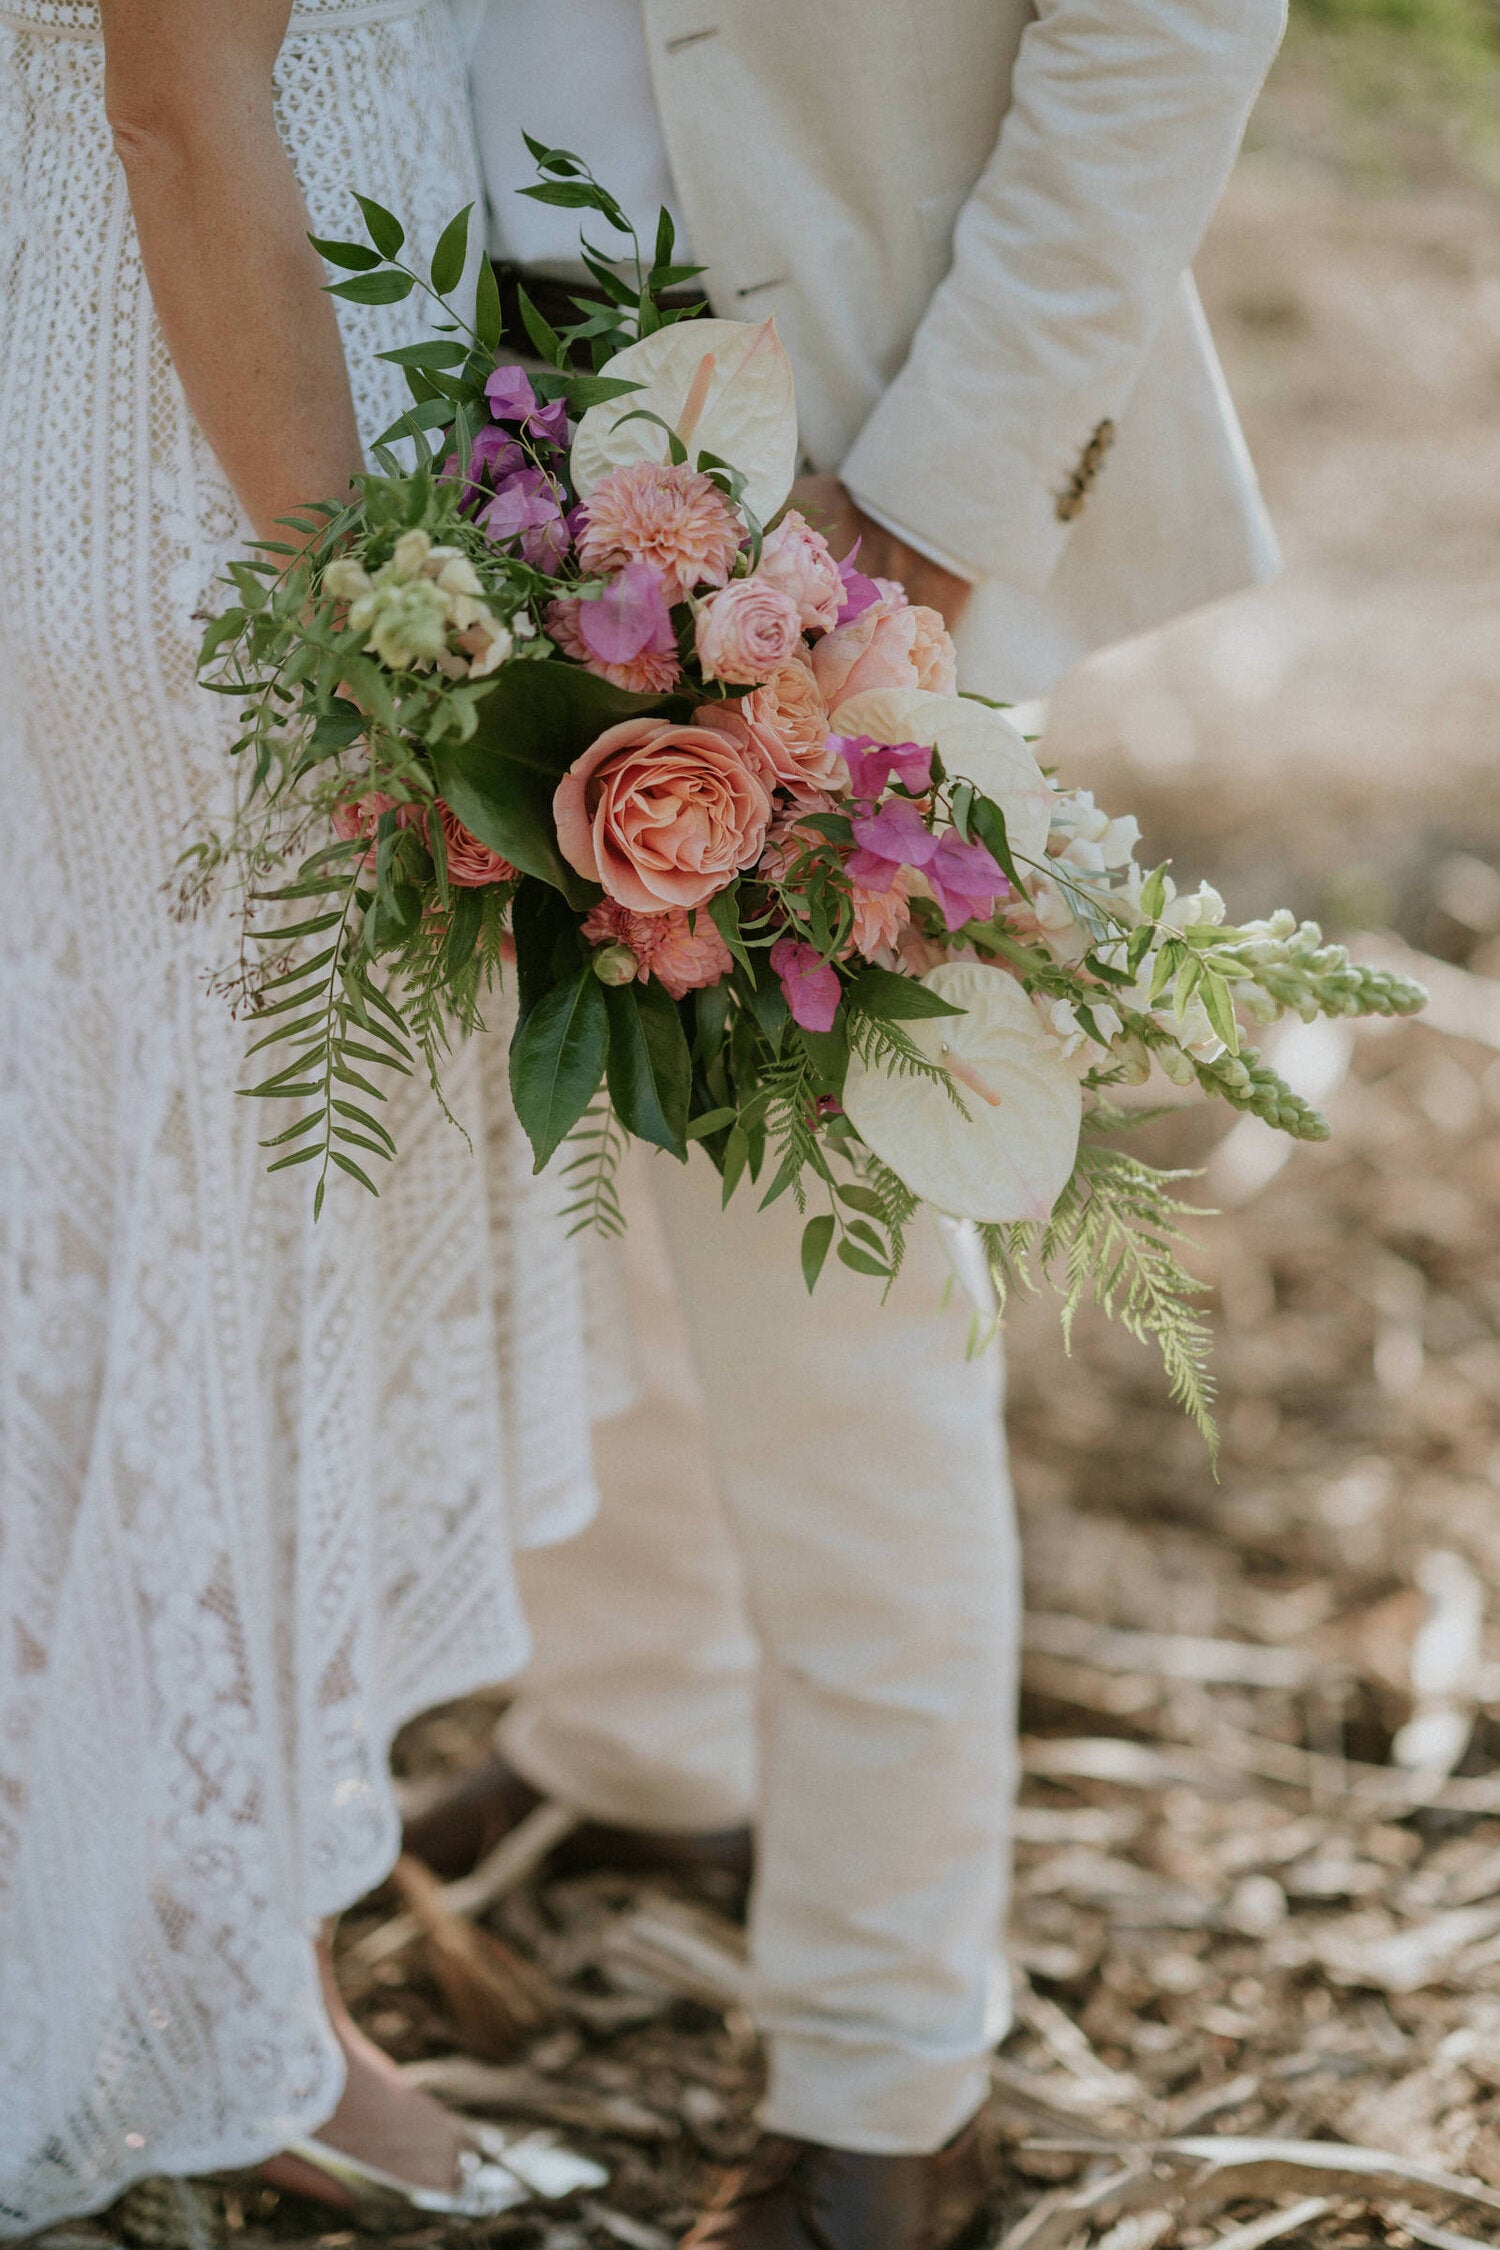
<point x="259" y="1483"/>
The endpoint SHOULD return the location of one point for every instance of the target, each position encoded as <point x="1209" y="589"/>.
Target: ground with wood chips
<point x="1258" y="1901"/>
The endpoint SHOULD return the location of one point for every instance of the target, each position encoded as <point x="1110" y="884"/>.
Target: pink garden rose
<point x="747" y="631"/>
<point x="360" y="816"/>
<point x="662" y="815"/>
<point x="470" y="864"/>
<point x="799" y="560"/>
<point x="683" y="952"/>
<point x="886" y="646"/>
<point x="787" y="721"/>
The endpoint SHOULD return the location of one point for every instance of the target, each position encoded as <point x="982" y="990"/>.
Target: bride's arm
<point x="223" y="233"/>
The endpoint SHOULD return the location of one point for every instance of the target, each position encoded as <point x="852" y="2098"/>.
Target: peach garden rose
<point x="746" y="631"/>
<point x="889" y="645"/>
<point x="662" y="815"/>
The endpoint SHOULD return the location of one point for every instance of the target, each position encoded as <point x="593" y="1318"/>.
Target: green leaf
<point x="860" y="1261"/>
<point x="374" y="288"/>
<point x="557" y="1060"/>
<point x="347" y="1164"/>
<point x="862" y="1199"/>
<point x="385" y="229"/>
<point x="548" y="947"/>
<point x="533" y="723"/>
<point x="817" y="1239"/>
<point x="666" y="242"/>
<point x="433" y="354"/>
<point x="650" y="1072"/>
<point x="447" y="269"/>
<point x="356" y="257"/>
<point x="712" y="1121"/>
<point x="890" y="998"/>
<point x="724" y="912"/>
<point x="488" y="324"/>
<point x="987" y="822"/>
<point x="544" y="336"/>
<point x="584" y="391"/>
<point x="1154" y="893"/>
<point x="1219" y="1008"/>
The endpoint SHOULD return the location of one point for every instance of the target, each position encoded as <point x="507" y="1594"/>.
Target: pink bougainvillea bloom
<point x="872" y="764"/>
<point x="965" y="879"/>
<point x="471" y="864"/>
<point x="886" y="646"/>
<point x="510" y="395"/>
<point x="799" y="560"/>
<point x="858" y="591"/>
<point x="526" y="508"/>
<point x="549" y="424"/>
<point x="895" y="837"/>
<point x="684" y="952"/>
<point x="670" y="516"/>
<point x="628" y="618"/>
<point x="746" y="632"/>
<point x="661" y="815"/>
<point x="651" y="671"/>
<point x="810" y="984"/>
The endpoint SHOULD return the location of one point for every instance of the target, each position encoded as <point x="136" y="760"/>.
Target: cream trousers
<point x="799" y="1606"/>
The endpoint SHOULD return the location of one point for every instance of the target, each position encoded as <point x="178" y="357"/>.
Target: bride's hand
<point x="830" y="509"/>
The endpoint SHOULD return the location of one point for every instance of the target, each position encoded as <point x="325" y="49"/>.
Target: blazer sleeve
<point x="1124" y="120"/>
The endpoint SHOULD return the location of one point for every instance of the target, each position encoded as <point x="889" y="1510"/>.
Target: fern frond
<point x="593" y="1174"/>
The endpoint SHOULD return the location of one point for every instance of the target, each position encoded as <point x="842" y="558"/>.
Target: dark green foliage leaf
<point x="817" y="1238"/>
<point x="355" y="257"/>
<point x="548" y="947"/>
<point x="435" y="354"/>
<point x="530" y="727"/>
<point x="385" y="229"/>
<point x="544" y="336"/>
<point x="374" y="288"/>
<point x="447" y="267"/>
<point x="584" y="391"/>
<point x="890" y="998"/>
<point x="987" y="822"/>
<point x="650" y="1072"/>
<point x="860" y="1261"/>
<point x="557" y="1060"/>
<point x="488" y="324"/>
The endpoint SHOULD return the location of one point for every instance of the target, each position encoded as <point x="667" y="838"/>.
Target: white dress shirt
<point x="576" y="73"/>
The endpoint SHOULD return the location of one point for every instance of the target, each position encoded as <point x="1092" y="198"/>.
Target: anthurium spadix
<point x="1008" y="1153"/>
<point x="975" y="743"/>
<point x="724" y="386"/>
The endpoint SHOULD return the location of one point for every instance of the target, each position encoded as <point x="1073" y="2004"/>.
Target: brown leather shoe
<point x="453" y="1833"/>
<point x="794" y="2195"/>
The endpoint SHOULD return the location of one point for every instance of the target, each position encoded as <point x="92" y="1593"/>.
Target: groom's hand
<point x="829" y="509"/>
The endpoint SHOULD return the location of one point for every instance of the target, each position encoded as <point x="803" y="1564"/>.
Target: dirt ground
<point x="1258" y="1898"/>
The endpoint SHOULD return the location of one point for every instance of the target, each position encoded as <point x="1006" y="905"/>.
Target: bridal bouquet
<point x="566" y="685"/>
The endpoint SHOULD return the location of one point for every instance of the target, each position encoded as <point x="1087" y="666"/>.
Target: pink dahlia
<point x="683" y="953"/>
<point x="670" y="516"/>
<point x="650" y="671"/>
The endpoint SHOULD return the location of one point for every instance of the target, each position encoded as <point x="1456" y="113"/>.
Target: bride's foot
<point x="380" y="2120"/>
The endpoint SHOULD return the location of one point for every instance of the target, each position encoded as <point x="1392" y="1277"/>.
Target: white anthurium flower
<point x="724" y="386"/>
<point x="1011" y="1156"/>
<point x="975" y="744"/>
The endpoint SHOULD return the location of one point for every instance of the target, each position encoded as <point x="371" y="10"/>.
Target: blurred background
<point x="1259" y="1882"/>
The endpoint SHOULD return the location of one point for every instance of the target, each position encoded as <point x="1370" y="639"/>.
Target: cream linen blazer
<point x="973" y="220"/>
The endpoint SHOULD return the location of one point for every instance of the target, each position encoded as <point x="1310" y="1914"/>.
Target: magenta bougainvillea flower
<point x="809" y="983"/>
